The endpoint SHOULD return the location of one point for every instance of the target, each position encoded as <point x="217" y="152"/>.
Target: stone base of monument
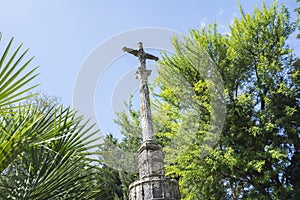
<point x="154" y="188"/>
<point x="153" y="184"/>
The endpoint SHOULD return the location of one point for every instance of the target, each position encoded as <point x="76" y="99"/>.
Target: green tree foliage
<point x="257" y="153"/>
<point x="119" y="166"/>
<point x="44" y="148"/>
<point x="260" y="135"/>
<point x="114" y="175"/>
<point x="297" y="10"/>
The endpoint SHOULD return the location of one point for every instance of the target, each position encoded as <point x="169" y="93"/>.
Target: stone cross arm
<point x="140" y="53"/>
<point x="131" y="51"/>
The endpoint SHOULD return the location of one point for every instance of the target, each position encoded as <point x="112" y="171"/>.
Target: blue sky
<point x="62" y="33"/>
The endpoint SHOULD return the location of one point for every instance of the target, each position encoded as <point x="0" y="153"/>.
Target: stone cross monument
<point x="152" y="184"/>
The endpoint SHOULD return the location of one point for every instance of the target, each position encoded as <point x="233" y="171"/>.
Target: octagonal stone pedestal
<point x="154" y="188"/>
<point x="153" y="185"/>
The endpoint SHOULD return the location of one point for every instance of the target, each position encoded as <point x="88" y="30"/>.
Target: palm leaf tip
<point x="14" y="79"/>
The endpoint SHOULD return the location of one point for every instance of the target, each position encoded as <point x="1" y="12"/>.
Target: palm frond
<point x="13" y="77"/>
<point x="53" y="162"/>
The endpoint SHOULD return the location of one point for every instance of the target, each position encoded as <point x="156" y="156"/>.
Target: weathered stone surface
<point x="152" y="183"/>
<point x="147" y="129"/>
<point x="142" y="75"/>
<point x="154" y="188"/>
<point x="151" y="160"/>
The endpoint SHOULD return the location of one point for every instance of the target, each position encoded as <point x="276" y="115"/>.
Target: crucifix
<point x="142" y="75"/>
<point x="152" y="184"/>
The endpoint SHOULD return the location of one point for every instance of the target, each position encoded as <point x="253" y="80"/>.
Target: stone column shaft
<point x="142" y="75"/>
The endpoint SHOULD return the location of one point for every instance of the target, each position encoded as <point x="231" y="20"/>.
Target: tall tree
<point x="256" y="144"/>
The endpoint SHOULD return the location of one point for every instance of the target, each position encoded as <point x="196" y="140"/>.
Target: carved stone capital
<point x="143" y="74"/>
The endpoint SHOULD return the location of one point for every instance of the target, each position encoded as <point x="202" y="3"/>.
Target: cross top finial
<point x="140" y="46"/>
